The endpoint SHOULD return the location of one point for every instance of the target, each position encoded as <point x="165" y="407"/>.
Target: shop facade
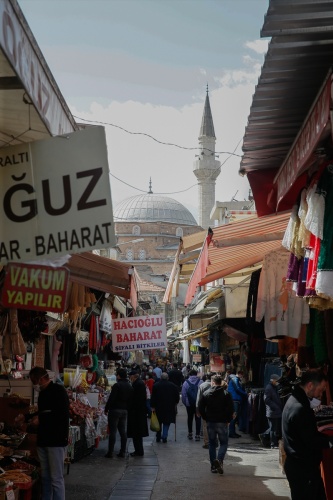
<point x="58" y="295"/>
<point x="288" y="160"/>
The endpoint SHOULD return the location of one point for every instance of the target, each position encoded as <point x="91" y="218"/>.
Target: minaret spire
<point x="206" y="168"/>
<point x="207" y="125"/>
<point x="150" y="187"/>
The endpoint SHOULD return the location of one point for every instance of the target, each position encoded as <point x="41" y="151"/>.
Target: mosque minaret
<point x="206" y="168"/>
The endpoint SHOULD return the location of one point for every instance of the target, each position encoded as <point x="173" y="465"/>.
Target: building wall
<point x="159" y="245"/>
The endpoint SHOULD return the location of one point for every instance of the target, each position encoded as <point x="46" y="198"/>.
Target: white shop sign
<point x="140" y="332"/>
<point x="55" y="197"/>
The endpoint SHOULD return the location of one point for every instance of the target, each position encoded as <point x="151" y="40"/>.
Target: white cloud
<point x="258" y="46"/>
<point x="135" y="158"/>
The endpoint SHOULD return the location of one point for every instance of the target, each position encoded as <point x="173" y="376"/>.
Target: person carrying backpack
<point x="189" y="399"/>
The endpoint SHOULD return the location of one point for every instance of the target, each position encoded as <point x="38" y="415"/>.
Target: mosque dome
<point x="151" y="207"/>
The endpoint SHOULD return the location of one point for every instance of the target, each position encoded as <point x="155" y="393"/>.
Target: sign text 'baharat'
<point x="140" y="332"/>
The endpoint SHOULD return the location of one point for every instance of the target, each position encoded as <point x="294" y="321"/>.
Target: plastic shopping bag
<point x="154" y="423"/>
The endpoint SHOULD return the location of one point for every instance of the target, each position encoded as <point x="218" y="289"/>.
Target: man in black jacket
<point x="273" y="412"/>
<point x="137" y="426"/>
<point x="216" y="407"/>
<point x="52" y="432"/>
<point x="176" y="376"/>
<point x="303" y="443"/>
<point x="116" y="408"/>
<point x="164" y="400"/>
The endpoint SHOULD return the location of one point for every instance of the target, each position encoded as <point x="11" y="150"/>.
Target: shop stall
<point x="44" y="305"/>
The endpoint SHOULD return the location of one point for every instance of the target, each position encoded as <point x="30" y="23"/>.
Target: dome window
<point x="136" y="230"/>
<point x="179" y="232"/>
<point x="142" y="254"/>
<point x="129" y="254"/>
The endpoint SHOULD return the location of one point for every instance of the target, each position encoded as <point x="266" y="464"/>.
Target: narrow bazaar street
<point x="178" y="469"/>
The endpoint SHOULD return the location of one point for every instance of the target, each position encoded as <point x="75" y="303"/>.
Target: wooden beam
<point x="255" y="238"/>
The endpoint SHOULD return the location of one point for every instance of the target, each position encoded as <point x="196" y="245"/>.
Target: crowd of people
<point x="214" y="407"/>
<point x="212" y="403"/>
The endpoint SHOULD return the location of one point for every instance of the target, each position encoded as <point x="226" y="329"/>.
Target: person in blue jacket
<point x="239" y="396"/>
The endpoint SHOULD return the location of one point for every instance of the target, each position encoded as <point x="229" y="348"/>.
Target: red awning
<point x="264" y="192"/>
<point x="199" y="271"/>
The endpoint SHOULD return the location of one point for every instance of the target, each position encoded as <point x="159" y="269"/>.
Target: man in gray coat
<point x="203" y="388"/>
<point x="273" y="412"/>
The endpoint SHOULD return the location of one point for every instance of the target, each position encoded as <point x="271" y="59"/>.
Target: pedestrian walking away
<point x="239" y="395"/>
<point x="164" y="400"/>
<point x="273" y="412"/>
<point x="116" y="408"/>
<point x="137" y="426"/>
<point x="176" y="376"/>
<point x="158" y="372"/>
<point x="303" y="443"/>
<point x="216" y="407"/>
<point x="52" y="432"/>
<point x="206" y="384"/>
<point x="189" y="399"/>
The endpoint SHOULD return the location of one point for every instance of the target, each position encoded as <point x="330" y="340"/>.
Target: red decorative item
<point x="19" y="363"/>
<point x="86" y="361"/>
<point x="91" y="377"/>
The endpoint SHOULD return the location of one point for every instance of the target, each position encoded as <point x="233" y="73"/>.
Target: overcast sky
<point x="143" y="66"/>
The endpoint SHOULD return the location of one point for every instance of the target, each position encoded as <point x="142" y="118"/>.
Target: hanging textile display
<point x="316" y="336"/>
<point x="105" y="319"/>
<point x="277" y="302"/>
<point x="324" y="284"/>
<point x="17" y="343"/>
<point x="309" y="238"/>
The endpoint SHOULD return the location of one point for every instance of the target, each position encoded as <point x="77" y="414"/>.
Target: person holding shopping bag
<point x="164" y="400"/>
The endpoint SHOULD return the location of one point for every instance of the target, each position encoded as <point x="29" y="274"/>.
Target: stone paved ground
<point x="179" y="469"/>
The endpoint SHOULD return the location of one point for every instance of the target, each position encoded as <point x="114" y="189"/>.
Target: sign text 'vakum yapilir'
<point x="141" y="332"/>
<point x="39" y="288"/>
<point x="56" y="197"/>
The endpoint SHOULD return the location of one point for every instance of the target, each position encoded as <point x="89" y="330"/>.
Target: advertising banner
<point x="216" y="363"/>
<point x="56" y="197"/>
<point x="140" y="332"/>
<point x="37" y="288"/>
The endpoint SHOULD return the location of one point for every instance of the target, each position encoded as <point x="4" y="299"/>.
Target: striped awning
<point x="235" y="246"/>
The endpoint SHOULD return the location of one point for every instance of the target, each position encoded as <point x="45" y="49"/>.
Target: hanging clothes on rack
<point x="257" y="420"/>
<point x="283" y="311"/>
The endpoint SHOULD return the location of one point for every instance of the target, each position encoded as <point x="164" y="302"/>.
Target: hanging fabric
<point x="277" y="302"/>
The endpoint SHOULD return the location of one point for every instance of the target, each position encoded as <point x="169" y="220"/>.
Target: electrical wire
<point x="171" y="143"/>
<point x="145" y="190"/>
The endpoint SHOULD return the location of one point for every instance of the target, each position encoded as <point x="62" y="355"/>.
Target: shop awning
<point x="208" y="297"/>
<point x="103" y="274"/>
<point x="31" y="104"/>
<point x="221" y="261"/>
<point x="119" y="305"/>
<point x="290" y="112"/>
<point x="268" y="232"/>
